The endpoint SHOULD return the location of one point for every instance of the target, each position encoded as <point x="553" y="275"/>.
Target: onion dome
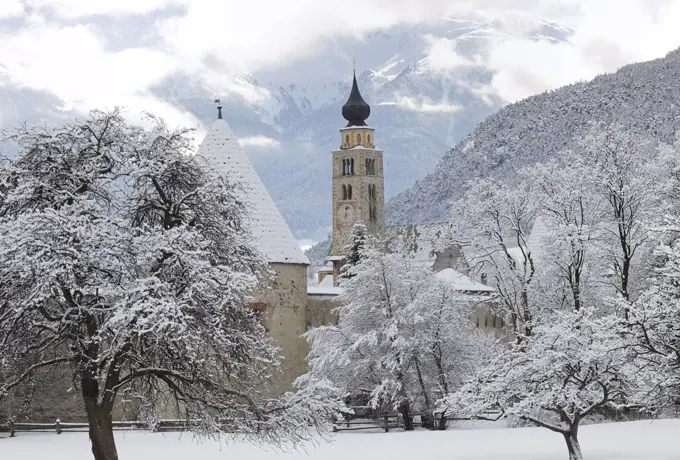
<point x="355" y="110"/>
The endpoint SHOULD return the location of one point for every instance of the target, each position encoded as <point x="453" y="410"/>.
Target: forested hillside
<point x="644" y="96"/>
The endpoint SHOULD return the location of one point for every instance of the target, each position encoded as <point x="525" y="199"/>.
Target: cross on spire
<point x="219" y="109"/>
<point x="354" y="65"/>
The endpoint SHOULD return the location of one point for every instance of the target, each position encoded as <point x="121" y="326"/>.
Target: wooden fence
<point x="385" y="423"/>
<point x="59" y="427"/>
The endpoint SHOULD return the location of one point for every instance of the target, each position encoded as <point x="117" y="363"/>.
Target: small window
<point x="368" y="138"/>
<point x="351" y="167"/>
<point x="346" y="138"/>
<point x="358" y="138"/>
<point x="344" y="192"/>
<point x="349" y="192"/>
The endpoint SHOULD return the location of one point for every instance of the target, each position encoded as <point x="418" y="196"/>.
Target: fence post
<point x="57" y="425"/>
<point x="387" y="424"/>
<point x="11" y="429"/>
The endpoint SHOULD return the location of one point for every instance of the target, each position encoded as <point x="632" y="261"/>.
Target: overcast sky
<point x="101" y="53"/>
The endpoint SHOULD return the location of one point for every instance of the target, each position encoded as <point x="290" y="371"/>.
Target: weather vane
<point x="219" y="109"/>
<point x="354" y="65"/>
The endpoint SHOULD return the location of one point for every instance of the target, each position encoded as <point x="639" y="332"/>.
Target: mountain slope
<point x="644" y="96"/>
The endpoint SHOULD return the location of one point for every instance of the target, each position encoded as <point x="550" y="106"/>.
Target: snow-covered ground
<point x="657" y="440"/>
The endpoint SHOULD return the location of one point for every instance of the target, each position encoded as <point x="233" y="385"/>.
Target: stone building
<point x="283" y="301"/>
<point x="358" y="185"/>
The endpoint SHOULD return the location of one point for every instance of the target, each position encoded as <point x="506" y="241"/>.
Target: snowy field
<point x="657" y="440"/>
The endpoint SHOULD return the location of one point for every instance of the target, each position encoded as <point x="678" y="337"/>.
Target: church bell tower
<point x="358" y="183"/>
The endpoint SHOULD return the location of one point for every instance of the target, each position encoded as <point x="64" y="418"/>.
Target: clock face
<point x="346" y="214"/>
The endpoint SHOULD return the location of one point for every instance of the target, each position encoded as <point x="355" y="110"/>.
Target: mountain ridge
<point x="643" y="96"/>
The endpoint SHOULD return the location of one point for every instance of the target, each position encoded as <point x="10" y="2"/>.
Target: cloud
<point x="64" y="49"/>
<point x="254" y="34"/>
<point x="533" y="46"/>
<point x="83" y="8"/>
<point x="259" y="141"/>
<point x="72" y="63"/>
<point x="11" y="8"/>
<point x="528" y="46"/>
<point x="423" y="105"/>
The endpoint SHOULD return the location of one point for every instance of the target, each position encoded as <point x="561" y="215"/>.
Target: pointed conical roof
<point x="274" y="239"/>
<point x="355" y="110"/>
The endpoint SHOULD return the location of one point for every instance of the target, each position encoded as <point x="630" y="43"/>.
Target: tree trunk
<point x="405" y="411"/>
<point x="101" y="430"/>
<point x="427" y="421"/>
<point x="442" y="422"/>
<point x="573" y="446"/>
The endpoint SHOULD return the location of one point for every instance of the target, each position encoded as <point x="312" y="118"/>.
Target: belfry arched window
<point x="344" y="192"/>
<point x="349" y="192"/>
<point x="351" y="166"/>
<point x="346" y="138"/>
<point x="368" y="136"/>
<point x="358" y="138"/>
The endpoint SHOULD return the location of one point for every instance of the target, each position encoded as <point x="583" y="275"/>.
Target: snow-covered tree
<point x="566" y="229"/>
<point x="492" y="224"/>
<point x="358" y="239"/>
<point x="571" y="367"/>
<point x="447" y="348"/>
<point x="633" y="176"/>
<point x="402" y="338"/>
<point x="655" y="322"/>
<point x="126" y="261"/>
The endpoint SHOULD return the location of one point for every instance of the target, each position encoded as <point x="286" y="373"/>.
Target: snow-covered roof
<point x="325" y="287"/>
<point x="361" y="147"/>
<point x="220" y="147"/>
<point x="348" y="128"/>
<point x="461" y="282"/>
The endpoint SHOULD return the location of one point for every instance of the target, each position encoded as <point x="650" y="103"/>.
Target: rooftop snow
<point x="461" y="282"/>
<point x="221" y="148"/>
<point x="324" y="290"/>
<point x="325" y="287"/>
<point x="348" y="128"/>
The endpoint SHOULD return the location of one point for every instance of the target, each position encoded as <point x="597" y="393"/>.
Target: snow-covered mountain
<point x="288" y="118"/>
<point x="644" y="96"/>
<point x="418" y="113"/>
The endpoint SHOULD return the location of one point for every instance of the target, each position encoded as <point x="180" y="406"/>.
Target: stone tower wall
<point x="286" y="320"/>
<point x="360" y="202"/>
